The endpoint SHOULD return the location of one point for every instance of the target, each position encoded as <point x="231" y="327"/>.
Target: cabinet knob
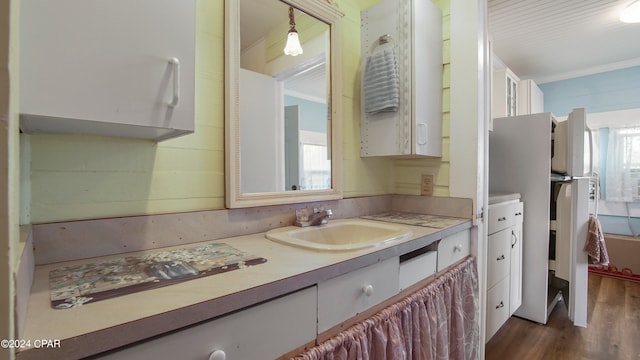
<point x="504" y="218"/>
<point x="218" y="355"/>
<point x="368" y="290"/>
<point x="500" y="258"/>
<point x="500" y="305"/>
<point x="457" y="247"/>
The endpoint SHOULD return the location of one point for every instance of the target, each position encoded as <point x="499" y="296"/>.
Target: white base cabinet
<point x="504" y="264"/>
<point x="264" y="331"/>
<point x="279" y="326"/>
<point x="112" y="68"/>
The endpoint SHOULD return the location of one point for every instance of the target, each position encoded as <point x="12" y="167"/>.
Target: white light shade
<point x="631" y="14"/>
<point x="293" y="46"/>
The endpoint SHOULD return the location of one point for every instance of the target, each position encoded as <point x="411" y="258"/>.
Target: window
<point x="623" y="164"/>
<point x="316" y="173"/>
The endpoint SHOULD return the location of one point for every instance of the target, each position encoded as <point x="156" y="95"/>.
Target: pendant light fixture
<point x="631" y="14"/>
<point x="293" y="47"/>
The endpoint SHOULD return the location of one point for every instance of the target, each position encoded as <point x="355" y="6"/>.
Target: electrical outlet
<point x="426" y="185"/>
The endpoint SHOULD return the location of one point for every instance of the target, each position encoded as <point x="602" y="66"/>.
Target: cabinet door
<point x="104" y="67"/>
<point x="515" y="274"/>
<point x="504" y="93"/>
<point x="264" y="331"/>
<point x="415" y="128"/>
<point x="512" y="96"/>
<point x="530" y="98"/>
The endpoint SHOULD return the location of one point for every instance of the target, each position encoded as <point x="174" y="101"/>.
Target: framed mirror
<point x="282" y="112"/>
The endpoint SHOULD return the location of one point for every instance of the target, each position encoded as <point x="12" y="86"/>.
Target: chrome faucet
<point x="319" y="216"/>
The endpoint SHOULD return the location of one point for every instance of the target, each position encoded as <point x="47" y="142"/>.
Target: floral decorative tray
<point x="72" y="286"/>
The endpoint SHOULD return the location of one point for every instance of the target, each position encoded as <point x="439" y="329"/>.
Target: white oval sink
<point x="346" y="234"/>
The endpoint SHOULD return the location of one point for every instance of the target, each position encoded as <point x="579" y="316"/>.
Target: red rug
<point x="612" y="271"/>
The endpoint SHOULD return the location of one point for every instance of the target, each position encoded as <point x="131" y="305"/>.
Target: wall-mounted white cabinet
<point x="412" y="31"/>
<point x="113" y="68"/>
<point x="504" y="263"/>
<point x="530" y="98"/>
<point x="504" y="101"/>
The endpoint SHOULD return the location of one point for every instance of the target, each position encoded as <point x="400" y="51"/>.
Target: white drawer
<point x="264" y="331"/>
<point x="418" y="268"/>
<point x="497" y="307"/>
<point x="504" y="215"/>
<point x="345" y="296"/>
<point x="519" y="214"/>
<point x="498" y="256"/>
<point x="453" y="248"/>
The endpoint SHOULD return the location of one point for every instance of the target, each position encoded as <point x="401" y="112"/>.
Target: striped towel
<point x="381" y="82"/>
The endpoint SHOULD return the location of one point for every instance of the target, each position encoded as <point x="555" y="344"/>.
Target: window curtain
<point x="441" y="321"/>
<point x="623" y="164"/>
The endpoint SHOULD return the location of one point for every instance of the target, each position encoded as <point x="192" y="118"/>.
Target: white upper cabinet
<point x="113" y="68"/>
<point x="504" y="94"/>
<point x="530" y="98"/>
<point x="401" y="40"/>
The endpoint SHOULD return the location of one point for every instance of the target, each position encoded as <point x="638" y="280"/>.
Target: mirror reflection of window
<point x="316" y="173"/>
<point x="284" y="127"/>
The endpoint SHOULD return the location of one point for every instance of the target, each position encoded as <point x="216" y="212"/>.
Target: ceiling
<point x="550" y="40"/>
<point x="258" y="17"/>
<point x="543" y="40"/>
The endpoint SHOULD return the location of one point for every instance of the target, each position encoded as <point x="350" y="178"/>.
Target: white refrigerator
<point x="522" y="152"/>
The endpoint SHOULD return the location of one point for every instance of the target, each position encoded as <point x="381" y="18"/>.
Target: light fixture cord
<point x="292" y="23"/>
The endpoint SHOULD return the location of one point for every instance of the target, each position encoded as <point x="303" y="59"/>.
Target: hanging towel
<point x="595" y="246"/>
<point x="381" y="82"/>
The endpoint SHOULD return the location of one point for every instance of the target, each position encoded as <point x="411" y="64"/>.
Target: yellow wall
<point x="82" y="177"/>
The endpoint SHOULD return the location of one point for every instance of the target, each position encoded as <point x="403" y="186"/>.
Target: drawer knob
<point x="218" y="355"/>
<point x="457" y="248"/>
<point x="502" y="218"/>
<point x="518" y="213"/>
<point x="501" y="257"/>
<point x="367" y="290"/>
<point x="501" y="305"/>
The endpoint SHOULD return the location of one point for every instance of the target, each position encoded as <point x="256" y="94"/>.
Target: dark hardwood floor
<point x="613" y="328"/>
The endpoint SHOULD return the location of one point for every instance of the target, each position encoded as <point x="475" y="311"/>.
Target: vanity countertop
<point x="496" y="198"/>
<point x="111" y="323"/>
